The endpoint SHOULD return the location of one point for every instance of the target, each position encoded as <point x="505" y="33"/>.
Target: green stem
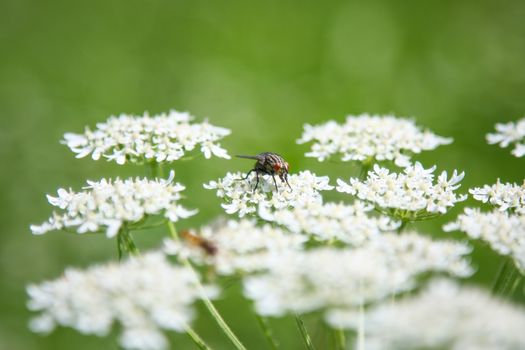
<point x="498" y="283"/>
<point x="125" y="242"/>
<point x="367" y="164"/>
<point x="153" y="168"/>
<point x="361" y="328"/>
<point x="197" y="339"/>
<point x="156" y="169"/>
<point x="340" y="339"/>
<point x="304" y="333"/>
<point x="207" y="302"/>
<point x="120" y="245"/>
<point x="402" y="227"/>
<point x="507" y="279"/>
<point x="267" y="331"/>
<point x="515" y="284"/>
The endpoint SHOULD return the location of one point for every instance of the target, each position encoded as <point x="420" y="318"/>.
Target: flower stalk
<point x="304" y="333"/>
<point x="207" y="302"/>
<point x="125" y="243"/>
<point x="507" y="279"/>
<point x="197" y="339"/>
<point x="267" y="331"/>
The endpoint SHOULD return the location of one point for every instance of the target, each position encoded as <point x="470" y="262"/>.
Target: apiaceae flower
<point x="143" y="295"/>
<point x="241" y="198"/>
<point x="503" y="231"/>
<point x="343" y="279"/>
<point x="370" y="137"/>
<point x="240" y="246"/>
<point x="162" y="138"/>
<point x="510" y="133"/>
<point x="107" y="205"/>
<point x="444" y="316"/>
<point x="352" y="224"/>
<point x="410" y="195"/>
<point x="505" y="196"/>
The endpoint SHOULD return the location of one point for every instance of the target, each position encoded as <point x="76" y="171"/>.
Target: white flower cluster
<point x="238" y="246"/>
<point x="513" y="132"/>
<point x="351" y="224"/>
<point x="162" y="138"/>
<point x="144" y="295"/>
<point x="366" y="137"/>
<point x="412" y="192"/>
<point x="342" y="279"/>
<point x="504" y="232"/>
<point x="506" y="196"/>
<point x="108" y="204"/>
<point x="446" y="316"/>
<point x="241" y="198"/>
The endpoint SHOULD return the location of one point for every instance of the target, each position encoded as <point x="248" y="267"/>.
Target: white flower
<point x="510" y="133"/>
<point x="506" y="196"/>
<point x="351" y="224"/>
<point x="367" y="137"/>
<point x="342" y="279"/>
<point x="144" y="295"/>
<point x="504" y="232"/>
<point x="237" y="246"/>
<point x="241" y="198"/>
<point x="444" y="316"/>
<point x="108" y="204"/>
<point x="413" y="192"/>
<point x="162" y="138"/>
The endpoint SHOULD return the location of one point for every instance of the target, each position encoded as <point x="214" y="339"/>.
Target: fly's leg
<point x="275" y="182"/>
<point x="249" y="172"/>
<point x="257" y="182"/>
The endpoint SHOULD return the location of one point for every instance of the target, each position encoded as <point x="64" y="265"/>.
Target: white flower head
<point x="108" y="204"/>
<point x="238" y="246"/>
<point x="241" y="198"/>
<point x="444" y="316"/>
<point x="504" y="232"/>
<point x="162" y="138"/>
<point x="343" y="279"/>
<point x="370" y="137"/>
<point x="414" y="191"/>
<point x="144" y="295"/>
<point x="505" y="196"/>
<point x="352" y="224"/>
<point x="510" y="133"/>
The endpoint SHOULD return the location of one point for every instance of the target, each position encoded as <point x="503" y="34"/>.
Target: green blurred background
<point x="260" y="68"/>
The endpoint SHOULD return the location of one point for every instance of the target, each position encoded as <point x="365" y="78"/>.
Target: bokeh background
<point x="260" y="68"/>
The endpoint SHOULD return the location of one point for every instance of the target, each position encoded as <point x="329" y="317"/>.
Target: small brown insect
<point x="198" y="241"/>
<point x="270" y="164"/>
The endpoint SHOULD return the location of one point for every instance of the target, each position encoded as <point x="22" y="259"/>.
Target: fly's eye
<point x="277" y="167"/>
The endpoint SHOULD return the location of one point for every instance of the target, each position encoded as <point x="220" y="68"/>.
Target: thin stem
<point x="197" y="339"/>
<point x="503" y="276"/>
<point x="125" y="242"/>
<point x="119" y="246"/>
<point x="160" y="170"/>
<point x="156" y="169"/>
<point x="304" y="333"/>
<point x="340" y="339"/>
<point x="364" y="170"/>
<point x="510" y="280"/>
<point x="267" y="331"/>
<point x="361" y="328"/>
<point x="153" y="168"/>
<point x="207" y="302"/>
<point x="515" y="284"/>
<point x="402" y="226"/>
